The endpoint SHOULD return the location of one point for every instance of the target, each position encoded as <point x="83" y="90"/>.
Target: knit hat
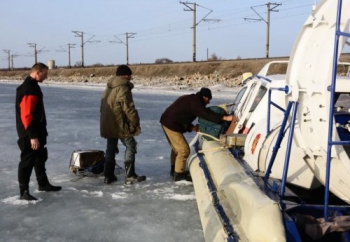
<point x="206" y="92"/>
<point x="124" y="70"/>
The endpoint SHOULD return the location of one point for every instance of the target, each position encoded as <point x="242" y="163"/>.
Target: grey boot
<point x="130" y="176"/>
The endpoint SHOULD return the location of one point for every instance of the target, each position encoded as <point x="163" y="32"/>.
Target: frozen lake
<point x="87" y="209"/>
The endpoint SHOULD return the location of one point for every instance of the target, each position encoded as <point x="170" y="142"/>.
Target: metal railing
<point x="338" y="34"/>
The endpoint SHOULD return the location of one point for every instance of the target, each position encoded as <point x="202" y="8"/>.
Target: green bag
<point x="212" y="128"/>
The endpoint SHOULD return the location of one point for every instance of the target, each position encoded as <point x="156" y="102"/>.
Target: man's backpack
<point x="87" y="162"/>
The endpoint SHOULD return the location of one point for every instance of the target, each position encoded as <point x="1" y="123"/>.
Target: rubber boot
<point x="183" y="176"/>
<point x="172" y="170"/>
<point x="109" y="173"/>
<point x="130" y="176"/>
<point x="25" y="195"/>
<point x="49" y="188"/>
<point x="43" y="181"/>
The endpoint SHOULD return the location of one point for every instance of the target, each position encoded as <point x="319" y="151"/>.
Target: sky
<point x="156" y="29"/>
<point x="86" y="209"/>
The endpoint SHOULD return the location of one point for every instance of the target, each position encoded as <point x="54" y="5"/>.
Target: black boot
<point x="49" y="188"/>
<point x="130" y="176"/>
<point x="172" y="170"/>
<point x="110" y="179"/>
<point x="41" y="176"/>
<point x="24" y="195"/>
<point x="183" y="176"/>
<point x="109" y="172"/>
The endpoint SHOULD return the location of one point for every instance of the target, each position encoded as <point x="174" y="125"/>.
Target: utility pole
<point x="12" y="57"/>
<point x="270" y="8"/>
<point x="63" y="50"/>
<point x="127" y="36"/>
<point x="81" y="34"/>
<point x="194" y="44"/>
<point x="69" y="47"/>
<point x="33" y="45"/>
<point x="194" y="25"/>
<point x="8" y="57"/>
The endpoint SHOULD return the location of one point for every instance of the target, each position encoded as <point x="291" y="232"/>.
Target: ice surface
<point x="86" y="209"/>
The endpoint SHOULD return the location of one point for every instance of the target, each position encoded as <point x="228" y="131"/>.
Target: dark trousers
<point x="32" y="159"/>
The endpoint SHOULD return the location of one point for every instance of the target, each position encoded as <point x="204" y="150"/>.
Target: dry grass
<point x="177" y="71"/>
<point x="224" y="68"/>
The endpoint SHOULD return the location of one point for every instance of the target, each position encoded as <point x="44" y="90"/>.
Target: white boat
<point x="291" y="130"/>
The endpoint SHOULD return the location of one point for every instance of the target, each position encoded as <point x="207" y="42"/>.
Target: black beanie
<point x="206" y="92"/>
<point x="124" y="70"/>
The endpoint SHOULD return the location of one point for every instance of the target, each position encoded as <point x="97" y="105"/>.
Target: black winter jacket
<point x="179" y="116"/>
<point x="30" y="111"/>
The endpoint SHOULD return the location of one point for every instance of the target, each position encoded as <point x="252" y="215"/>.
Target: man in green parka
<point x="120" y="121"/>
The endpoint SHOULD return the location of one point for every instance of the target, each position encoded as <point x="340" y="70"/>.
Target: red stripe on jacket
<point x="27" y="106"/>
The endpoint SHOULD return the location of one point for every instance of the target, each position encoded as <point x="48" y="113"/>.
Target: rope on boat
<point x="208" y="135"/>
<point x="212" y="149"/>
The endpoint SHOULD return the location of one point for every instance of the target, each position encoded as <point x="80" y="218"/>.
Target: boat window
<point x="342" y="100"/>
<point x="250" y="94"/>
<point x="342" y="117"/>
<point x="237" y="100"/>
<point x="258" y="98"/>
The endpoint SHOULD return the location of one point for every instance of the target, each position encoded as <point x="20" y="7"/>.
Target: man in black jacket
<point x="177" y="119"/>
<point x="32" y="132"/>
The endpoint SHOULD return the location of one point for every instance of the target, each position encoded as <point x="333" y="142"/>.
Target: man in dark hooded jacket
<point x="177" y="119"/>
<point x="120" y="121"/>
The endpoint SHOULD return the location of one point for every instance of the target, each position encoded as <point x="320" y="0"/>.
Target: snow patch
<point x="180" y="197"/>
<point x="16" y="201"/>
<point x="119" y="195"/>
<point x="93" y="193"/>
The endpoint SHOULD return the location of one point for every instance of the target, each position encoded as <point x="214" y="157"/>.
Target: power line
<point x="168" y="30"/>
<point x="228" y="18"/>
<point x="118" y="42"/>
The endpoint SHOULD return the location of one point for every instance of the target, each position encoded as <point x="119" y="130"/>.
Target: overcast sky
<point x="157" y="29"/>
